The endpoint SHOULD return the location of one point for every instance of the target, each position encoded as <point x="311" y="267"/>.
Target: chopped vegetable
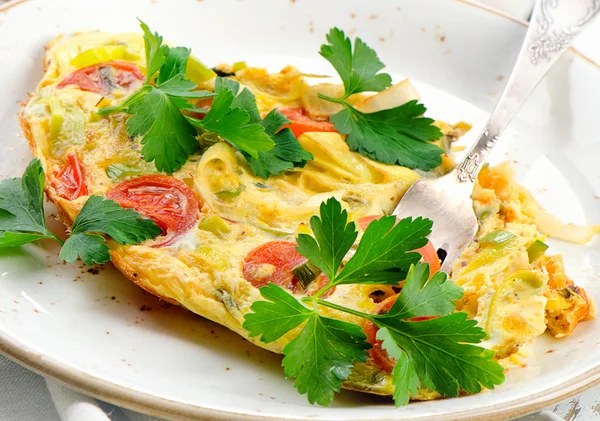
<point x="498" y="237"/>
<point x="214" y="224"/>
<point x="198" y="72"/>
<point x="114" y="171"/>
<point x="536" y="249"/>
<point x="394" y="96"/>
<point x="306" y="273"/>
<point x="99" y="55"/>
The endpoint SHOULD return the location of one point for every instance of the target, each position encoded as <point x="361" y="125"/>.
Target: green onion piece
<point x="114" y="171"/>
<point x="536" y="249"/>
<point x="306" y="273"/>
<point x="497" y="237"/>
<point x="228" y="194"/>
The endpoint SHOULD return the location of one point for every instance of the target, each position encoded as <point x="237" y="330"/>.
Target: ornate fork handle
<point x="553" y="26"/>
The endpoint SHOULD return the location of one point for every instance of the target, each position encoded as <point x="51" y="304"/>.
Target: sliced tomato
<point x="377" y="353"/>
<point x="428" y="253"/>
<point x="104" y="77"/>
<point x="273" y="262"/>
<point x="69" y="182"/>
<point x="166" y="200"/>
<point x="301" y="123"/>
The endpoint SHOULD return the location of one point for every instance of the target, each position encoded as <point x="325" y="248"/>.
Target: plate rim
<point x="156" y="406"/>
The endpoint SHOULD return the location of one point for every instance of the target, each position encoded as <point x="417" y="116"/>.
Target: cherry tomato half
<point x="69" y="183"/>
<point x="301" y="123"/>
<point x="104" y="77"/>
<point x="166" y="200"/>
<point x="428" y="253"/>
<point x="273" y="262"/>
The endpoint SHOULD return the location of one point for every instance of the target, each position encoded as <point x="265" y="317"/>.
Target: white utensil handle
<point x="554" y="25"/>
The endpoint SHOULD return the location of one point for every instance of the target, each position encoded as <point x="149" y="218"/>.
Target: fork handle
<point x="554" y="25"/>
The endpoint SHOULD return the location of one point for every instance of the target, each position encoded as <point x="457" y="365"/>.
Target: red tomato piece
<point x="301" y="123"/>
<point x="166" y="200"/>
<point x="380" y="355"/>
<point x="102" y="78"/>
<point x="377" y="353"/>
<point x="273" y="262"/>
<point x="69" y="182"/>
<point x="428" y="253"/>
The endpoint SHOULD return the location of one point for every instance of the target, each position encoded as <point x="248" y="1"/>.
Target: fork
<point x="447" y="200"/>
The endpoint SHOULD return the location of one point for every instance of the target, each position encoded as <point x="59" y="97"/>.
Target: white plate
<point x="89" y="331"/>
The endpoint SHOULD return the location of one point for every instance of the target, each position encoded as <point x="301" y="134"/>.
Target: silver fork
<point x="447" y="200"/>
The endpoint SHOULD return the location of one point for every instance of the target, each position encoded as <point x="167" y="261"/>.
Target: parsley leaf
<point x="156" y="110"/>
<point x="275" y="317"/>
<point x="395" y="136"/>
<point x="104" y="216"/>
<point x="22" y="220"/>
<point x="422" y="296"/>
<point x="168" y="138"/>
<point x="384" y="253"/>
<point x="404" y="376"/>
<point x="156" y="52"/>
<point x="322" y="355"/>
<point x="359" y="68"/>
<point x="333" y="238"/>
<point x="233" y="124"/>
<point x="21" y="208"/>
<point x="285" y="151"/>
<point x="441" y="354"/>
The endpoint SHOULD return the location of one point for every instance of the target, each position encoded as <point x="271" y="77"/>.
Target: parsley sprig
<point x="437" y="354"/>
<point x="160" y="114"/>
<point x="22" y="220"/>
<point x="398" y="135"/>
<point x="287" y="151"/>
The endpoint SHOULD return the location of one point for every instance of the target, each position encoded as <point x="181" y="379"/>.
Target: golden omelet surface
<point x="226" y="216"/>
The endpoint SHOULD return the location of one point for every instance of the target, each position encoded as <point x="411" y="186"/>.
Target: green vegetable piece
<point x="396" y="136"/>
<point x="114" y="171"/>
<point x="22" y="217"/>
<point x="333" y="238"/>
<point x="306" y="273"/>
<point x="273" y="318"/>
<point x="103" y="216"/>
<point x="498" y="237"/>
<point x="422" y="296"/>
<point x="229" y="194"/>
<point x="198" y="72"/>
<point x="321" y="357"/>
<point x="214" y="224"/>
<point x="536" y="250"/>
<point x="441" y="354"/>
<point x="405" y="377"/>
<point x="358" y="69"/>
<point x="234" y="124"/>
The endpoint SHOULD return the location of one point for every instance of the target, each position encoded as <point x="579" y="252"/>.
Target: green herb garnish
<point x="436" y="354"/>
<point x="398" y="135"/>
<point x="22" y="220"/>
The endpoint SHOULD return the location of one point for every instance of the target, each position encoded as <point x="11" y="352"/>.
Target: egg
<point x="226" y="214"/>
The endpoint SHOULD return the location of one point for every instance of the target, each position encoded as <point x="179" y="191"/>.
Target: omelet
<point x="226" y="232"/>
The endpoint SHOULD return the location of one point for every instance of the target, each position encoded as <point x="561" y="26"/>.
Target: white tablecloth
<point x="25" y="396"/>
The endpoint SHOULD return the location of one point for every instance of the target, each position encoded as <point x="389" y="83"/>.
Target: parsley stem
<point x="331" y="99"/>
<point x="325" y="303"/>
<point x="55" y="237"/>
